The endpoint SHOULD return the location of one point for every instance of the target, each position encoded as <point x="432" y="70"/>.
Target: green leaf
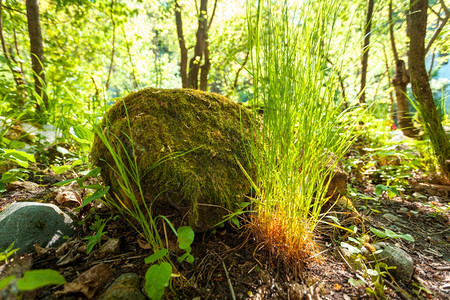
<point x="335" y="220"/>
<point x="65" y="182"/>
<point x="77" y="163"/>
<point x="35" y="279"/>
<point x="157" y="255"/>
<point x="20" y="157"/>
<point x="5" y="281"/>
<point x="378" y="233"/>
<point x="157" y="279"/>
<point x="356" y="283"/>
<point x="235" y="221"/>
<point x="60" y="169"/>
<point x="20" y="154"/>
<point x="190" y="258"/>
<point x="185" y="237"/>
<point x="407" y="237"/>
<point x="391" y="234"/>
<point x="63" y="150"/>
<point x="243" y="204"/>
<point x="91" y="173"/>
<point x="13" y="175"/>
<point x="96" y="195"/>
<point x="81" y="134"/>
<point x="379" y="189"/>
<point x="3" y="59"/>
<point x="372" y="272"/>
<point x="352" y="249"/>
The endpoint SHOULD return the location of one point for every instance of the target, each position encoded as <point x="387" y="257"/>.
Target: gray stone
<point x="391" y="218"/>
<point x="124" y="287"/>
<point x="393" y="256"/>
<point x="26" y="223"/>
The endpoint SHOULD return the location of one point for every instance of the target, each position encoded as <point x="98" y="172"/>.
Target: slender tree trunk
<point x="130" y="58"/>
<point x="37" y="51"/>
<point x="400" y="82"/>
<point x="16" y="73"/>
<point x="200" y="46"/>
<point x="113" y="50"/>
<point x="391" y="96"/>
<point x="182" y="43"/>
<point x="365" y="58"/>
<point x="421" y="85"/>
<point x="204" y="69"/>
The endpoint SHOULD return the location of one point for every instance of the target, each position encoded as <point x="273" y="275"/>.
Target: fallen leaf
<point x="143" y="244"/>
<point x="370" y="247"/>
<point x="39" y="250"/>
<point x="89" y="281"/>
<point x="68" y="198"/>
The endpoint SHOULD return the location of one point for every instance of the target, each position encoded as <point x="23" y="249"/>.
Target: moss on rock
<point x="199" y="187"/>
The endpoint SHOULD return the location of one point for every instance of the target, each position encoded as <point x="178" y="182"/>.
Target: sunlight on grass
<point x="303" y="134"/>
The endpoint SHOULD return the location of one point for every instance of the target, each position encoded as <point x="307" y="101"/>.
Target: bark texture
<point x="200" y="64"/>
<point x="182" y="43"/>
<point x="365" y="58"/>
<point x="421" y="85"/>
<point x="37" y="51"/>
<point x="400" y="82"/>
<point x="200" y="46"/>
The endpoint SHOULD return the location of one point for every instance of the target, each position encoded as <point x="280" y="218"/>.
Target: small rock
<point x="27" y="223"/>
<point x="393" y="256"/>
<point x="434" y="199"/>
<point x="124" y="287"/>
<point x="112" y="246"/>
<point x="297" y="291"/>
<point x="391" y="218"/>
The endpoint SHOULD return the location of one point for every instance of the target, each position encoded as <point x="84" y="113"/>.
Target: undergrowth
<point x="303" y="133"/>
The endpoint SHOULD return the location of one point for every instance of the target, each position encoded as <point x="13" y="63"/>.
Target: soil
<point x="230" y="262"/>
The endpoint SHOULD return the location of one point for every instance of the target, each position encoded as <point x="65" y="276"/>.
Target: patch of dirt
<point x="229" y="261"/>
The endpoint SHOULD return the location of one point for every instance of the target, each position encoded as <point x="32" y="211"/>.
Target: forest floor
<point x="230" y="262"/>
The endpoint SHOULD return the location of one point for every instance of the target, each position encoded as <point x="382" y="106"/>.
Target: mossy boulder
<point x="187" y="145"/>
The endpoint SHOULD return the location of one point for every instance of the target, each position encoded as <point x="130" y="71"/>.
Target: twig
<point x="229" y="281"/>
<point x="398" y="290"/>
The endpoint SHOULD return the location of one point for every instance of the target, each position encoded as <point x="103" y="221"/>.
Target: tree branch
<point x="213" y="14"/>
<point x="436" y="33"/>
<point x="182" y="43"/>
<point x="240" y="69"/>
<point x="113" y="45"/>
<point x="445" y="8"/>
<point x="391" y="32"/>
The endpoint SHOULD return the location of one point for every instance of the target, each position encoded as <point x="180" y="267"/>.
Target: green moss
<point x="180" y="120"/>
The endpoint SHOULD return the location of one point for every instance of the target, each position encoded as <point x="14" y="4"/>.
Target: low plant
<point x="139" y="214"/>
<point x="30" y="281"/>
<point x="376" y="271"/>
<point x="303" y="133"/>
<point x="6" y="253"/>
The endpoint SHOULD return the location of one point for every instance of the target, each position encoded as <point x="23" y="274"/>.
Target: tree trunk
<point x="200" y="46"/>
<point x="205" y="67"/>
<point x="421" y="85"/>
<point x="400" y="81"/>
<point x="365" y="58"/>
<point x="182" y="43"/>
<point x="37" y="51"/>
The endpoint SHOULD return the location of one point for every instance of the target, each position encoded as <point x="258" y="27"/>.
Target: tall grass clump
<point x="303" y="133"/>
